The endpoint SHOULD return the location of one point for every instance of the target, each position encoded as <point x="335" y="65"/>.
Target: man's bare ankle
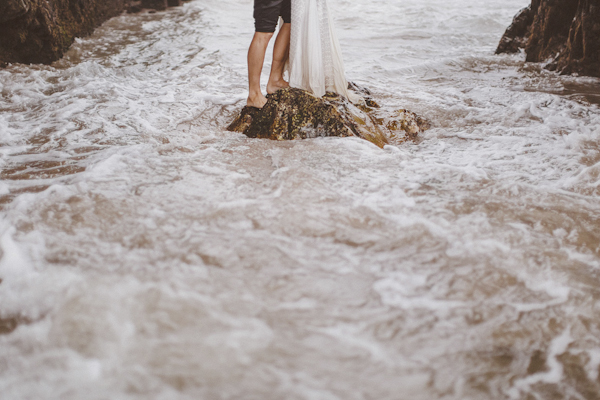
<point x="256" y="100"/>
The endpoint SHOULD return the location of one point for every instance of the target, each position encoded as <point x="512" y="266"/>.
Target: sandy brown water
<point x="149" y="254"/>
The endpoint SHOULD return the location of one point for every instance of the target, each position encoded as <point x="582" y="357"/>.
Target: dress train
<point x="316" y="63"/>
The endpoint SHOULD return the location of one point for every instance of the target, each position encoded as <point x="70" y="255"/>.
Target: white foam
<point x="555" y="369"/>
<point x="13" y="262"/>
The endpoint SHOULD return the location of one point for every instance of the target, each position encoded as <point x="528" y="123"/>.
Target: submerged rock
<point x="292" y="114"/>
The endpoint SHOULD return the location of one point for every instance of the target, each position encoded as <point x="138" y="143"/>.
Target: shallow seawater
<point x="149" y="254"/>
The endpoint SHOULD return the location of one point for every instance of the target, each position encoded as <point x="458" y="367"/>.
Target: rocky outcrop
<point x="13" y="9"/>
<point x="41" y="31"/>
<point x="292" y="114"/>
<point x="565" y="34"/>
<point x="582" y="53"/>
<point x="161" y="4"/>
<point x="518" y="33"/>
<point x="155" y="4"/>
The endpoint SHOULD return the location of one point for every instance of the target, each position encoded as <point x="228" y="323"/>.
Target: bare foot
<point x="257" y="101"/>
<point x="272" y="87"/>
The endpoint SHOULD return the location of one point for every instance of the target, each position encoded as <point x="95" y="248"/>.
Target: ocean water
<point x="147" y="253"/>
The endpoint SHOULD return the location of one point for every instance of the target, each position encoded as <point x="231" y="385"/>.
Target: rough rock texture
<point x="518" y="32"/>
<point x="13" y="9"/>
<point x="563" y="33"/>
<point x="41" y="31"/>
<point x="292" y="114"/>
<point x="582" y="53"/>
<point x="155" y="4"/>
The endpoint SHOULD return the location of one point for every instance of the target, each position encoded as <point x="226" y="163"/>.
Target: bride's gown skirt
<point x="315" y="61"/>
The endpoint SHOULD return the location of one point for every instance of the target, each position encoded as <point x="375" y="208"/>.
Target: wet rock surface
<point x="155" y="4"/>
<point x="517" y="34"/>
<point x="564" y="34"/>
<point x="292" y="114"/>
<point x="41" y="31"/>
<point x="10" y="9"/>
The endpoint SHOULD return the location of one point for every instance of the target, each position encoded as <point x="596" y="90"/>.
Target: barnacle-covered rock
<point x="292" y="114"/>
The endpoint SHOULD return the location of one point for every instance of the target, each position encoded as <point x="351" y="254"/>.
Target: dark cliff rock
<point x="582" y="53"/>
<point x="155" y="4"/>
<point x="563" y="33"/>
<point x="518" y="32"/>
<point x="292" y="114"/>
<point x="161" y="4"/>
<point x="41" y="31"/>
<point x="13" y="9"/>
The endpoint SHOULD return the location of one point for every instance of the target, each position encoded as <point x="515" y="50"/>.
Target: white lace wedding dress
<point x="315" y="62"/>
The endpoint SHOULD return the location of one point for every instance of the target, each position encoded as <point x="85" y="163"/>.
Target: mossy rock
<point x="292" y="114"/>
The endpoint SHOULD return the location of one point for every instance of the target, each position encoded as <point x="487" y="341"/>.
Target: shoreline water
<point x="155" y="255"/>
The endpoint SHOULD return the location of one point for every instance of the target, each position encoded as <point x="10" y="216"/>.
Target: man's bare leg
<point x="281" y="53"/>
<point x="256" y="59"/>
